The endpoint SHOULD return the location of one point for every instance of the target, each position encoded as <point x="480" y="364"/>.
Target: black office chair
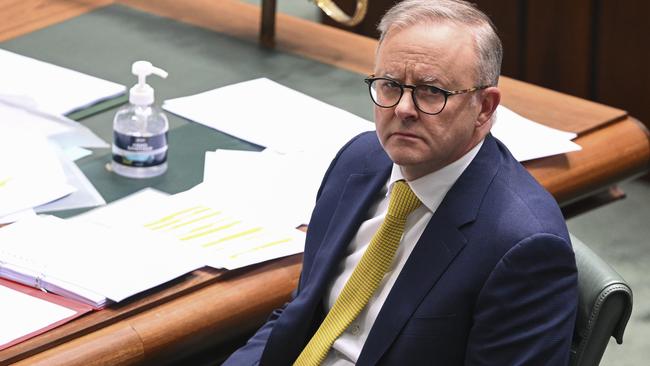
<point x="604" y="307"/>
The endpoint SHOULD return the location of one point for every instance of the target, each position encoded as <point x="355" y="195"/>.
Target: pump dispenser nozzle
<point x="141" y="93"/>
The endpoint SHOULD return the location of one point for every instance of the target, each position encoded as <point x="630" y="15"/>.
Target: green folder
<point x="99" y="107"/>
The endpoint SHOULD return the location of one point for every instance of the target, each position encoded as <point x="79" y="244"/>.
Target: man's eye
<point x="432" y="90"/>
<point x="392" y="84"/>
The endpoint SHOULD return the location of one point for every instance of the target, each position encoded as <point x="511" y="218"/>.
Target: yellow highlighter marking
<point x="164" y="225"/>
<point x="4" y="182"/>
<point x="174" y="218"/>
<point x="200" y="228"/>
<point x="233" y="236"/>
<point x="263" y="246"/>
<point x="207" y="232"/>
<point x="195" y="220"/>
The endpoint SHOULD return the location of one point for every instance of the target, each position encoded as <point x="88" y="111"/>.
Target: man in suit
<point x="483" y="272"/>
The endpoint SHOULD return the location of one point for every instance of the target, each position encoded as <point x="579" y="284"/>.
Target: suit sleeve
<point x="251" y="353"/>
<point x="526" y="310"/>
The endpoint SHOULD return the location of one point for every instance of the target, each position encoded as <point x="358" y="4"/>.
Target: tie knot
<point x="402" y="200"/>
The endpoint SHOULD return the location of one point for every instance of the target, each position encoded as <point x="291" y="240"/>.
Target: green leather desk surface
<point x="105" y="43"/>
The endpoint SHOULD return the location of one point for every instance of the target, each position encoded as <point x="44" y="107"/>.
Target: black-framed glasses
<point x="429" y="99"/>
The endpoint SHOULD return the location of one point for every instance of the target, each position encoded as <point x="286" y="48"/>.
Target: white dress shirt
<point x="430" y="189"/>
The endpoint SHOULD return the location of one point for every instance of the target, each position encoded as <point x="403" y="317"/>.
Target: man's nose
<point x="406" y="109"/>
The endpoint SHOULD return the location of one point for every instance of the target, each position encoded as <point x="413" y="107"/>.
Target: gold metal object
<point x="334" y="12"/>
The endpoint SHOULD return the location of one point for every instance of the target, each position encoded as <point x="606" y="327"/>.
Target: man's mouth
<point x="405" y="135"/>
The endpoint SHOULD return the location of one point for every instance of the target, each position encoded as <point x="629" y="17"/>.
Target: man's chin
<point x="404" y="154"/>
<point x="405" y="160"/>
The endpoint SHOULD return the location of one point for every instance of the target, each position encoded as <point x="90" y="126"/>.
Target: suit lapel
<point x="358" y="195"/>
<point x="436" y="249"/>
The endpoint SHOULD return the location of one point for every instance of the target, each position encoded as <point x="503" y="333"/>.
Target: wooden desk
<point x="208" y="308"/>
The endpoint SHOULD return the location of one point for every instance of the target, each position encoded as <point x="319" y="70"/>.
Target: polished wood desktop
<point x="207" y="309"/>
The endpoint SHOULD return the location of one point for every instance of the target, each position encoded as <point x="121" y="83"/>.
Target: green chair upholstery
<point x="604" y="307"/>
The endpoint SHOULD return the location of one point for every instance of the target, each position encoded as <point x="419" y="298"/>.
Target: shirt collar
<point x="432" y="188"/>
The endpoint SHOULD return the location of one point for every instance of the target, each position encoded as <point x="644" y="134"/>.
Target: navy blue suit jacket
<point x="492" y="280"/>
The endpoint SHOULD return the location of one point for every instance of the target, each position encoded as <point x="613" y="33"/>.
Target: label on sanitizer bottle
<point x="139" y="151"/>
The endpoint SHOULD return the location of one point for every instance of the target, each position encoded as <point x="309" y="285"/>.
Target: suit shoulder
<point x="516" y="206"/>
<point x="361" y="154"/>
<point x="524" y="198"/>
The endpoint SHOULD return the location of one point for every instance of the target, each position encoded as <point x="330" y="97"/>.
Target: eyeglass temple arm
<point x="454" y="92"/>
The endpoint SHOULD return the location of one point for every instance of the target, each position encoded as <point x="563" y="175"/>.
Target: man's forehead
<point x="437" y="26"/>
<point x="426" y="52"/>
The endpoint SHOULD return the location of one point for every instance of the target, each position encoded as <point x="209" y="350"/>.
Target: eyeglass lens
<point x="387" y="93"/>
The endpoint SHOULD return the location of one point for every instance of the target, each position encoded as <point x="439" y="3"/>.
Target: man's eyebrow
<point x="389" y="75"/>
<point x="429" y="79"/>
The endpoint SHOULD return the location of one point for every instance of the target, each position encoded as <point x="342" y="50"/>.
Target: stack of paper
<point x="29" y="175"/>
<point x="36" y="172"/>
<point x="87" y="262"/>
<point x="226" y="235"/>
<point x="51" y="88"/>
<point x="32" y="108"/>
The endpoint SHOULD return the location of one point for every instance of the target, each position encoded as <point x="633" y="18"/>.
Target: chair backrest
<point x="604" y="307"/>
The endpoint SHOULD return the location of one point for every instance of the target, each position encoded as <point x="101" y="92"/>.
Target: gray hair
<point x="488" y="45"/>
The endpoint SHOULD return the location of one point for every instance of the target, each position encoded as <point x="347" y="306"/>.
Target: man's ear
<point x="490" y="98"/>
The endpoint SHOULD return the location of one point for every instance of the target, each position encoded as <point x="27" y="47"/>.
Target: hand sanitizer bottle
<point x="140" y="130"/>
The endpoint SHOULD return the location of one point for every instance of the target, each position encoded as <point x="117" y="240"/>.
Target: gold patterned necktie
<point x="365" y="278"/>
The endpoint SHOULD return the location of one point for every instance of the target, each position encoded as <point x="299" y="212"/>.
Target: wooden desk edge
<point x="619" y="151"/>
<point x="206" y="316"/>
<point x="114" y="313"/>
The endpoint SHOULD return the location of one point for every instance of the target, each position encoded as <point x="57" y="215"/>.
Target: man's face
<point x="441" y="55"/>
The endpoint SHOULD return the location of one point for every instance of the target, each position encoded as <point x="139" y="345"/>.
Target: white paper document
<point x="62" y="130"/>
<point x="272" y="115"/>
<point x="30" y="172"/>
<point x="226" y="237"/>
<point x="75" y="153"/>
<point x="87" y="262"/>
<point x="44" y="82"/>
<point x="527" y="139"/>
<point x="283" y="186"/>
<point x="31" y="144"/>
<point x="22" y="314"/>
<point x="85" y="194"/>
<point x="17" y="216"/>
